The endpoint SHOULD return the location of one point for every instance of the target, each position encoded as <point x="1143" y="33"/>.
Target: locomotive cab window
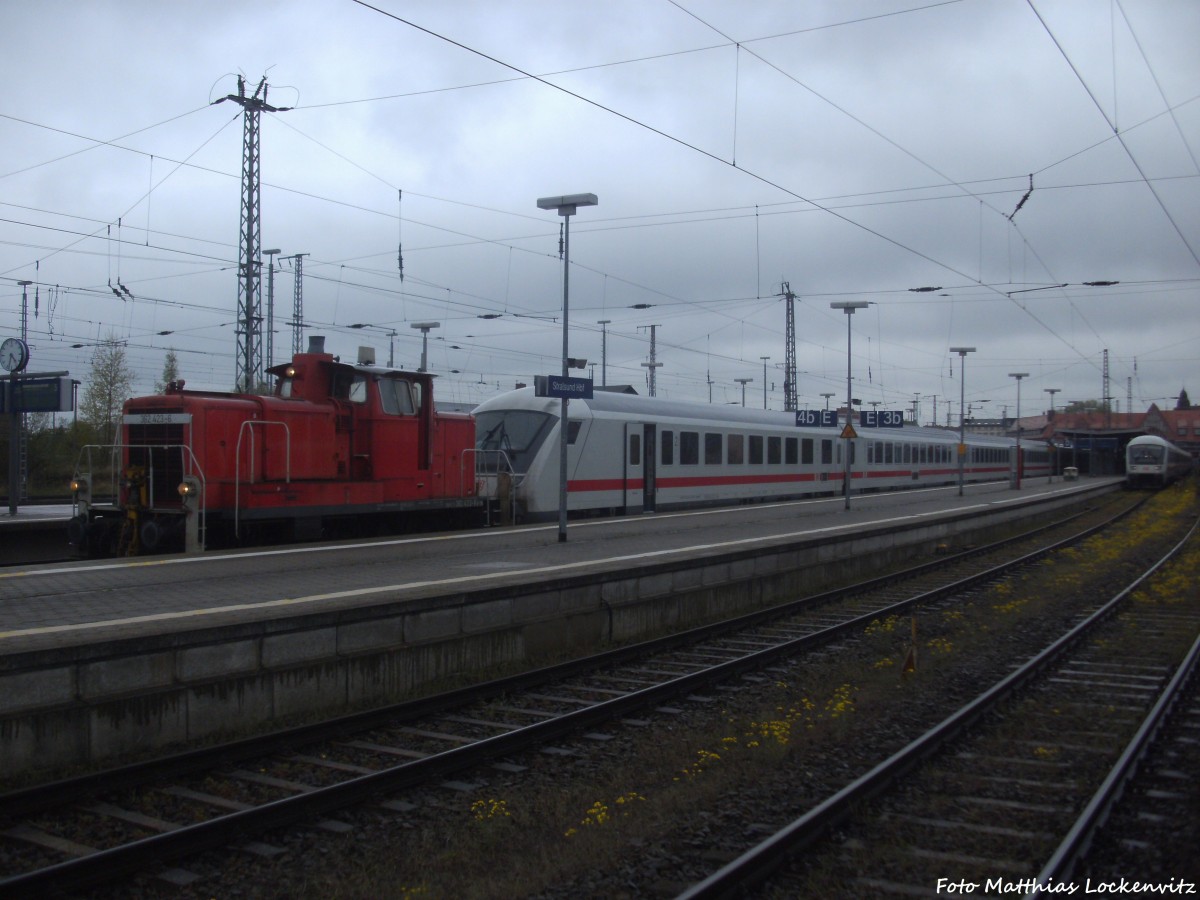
<point x="396" y="396"/>
<point x="350" y="386"/>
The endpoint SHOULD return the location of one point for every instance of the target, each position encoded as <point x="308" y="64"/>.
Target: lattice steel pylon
<point x="298" y="304"/>
<point x="790" y="399"/>
<point x="248" y="372"/>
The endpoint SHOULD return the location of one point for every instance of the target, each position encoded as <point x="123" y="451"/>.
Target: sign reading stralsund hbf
<point x="562" y="386"/>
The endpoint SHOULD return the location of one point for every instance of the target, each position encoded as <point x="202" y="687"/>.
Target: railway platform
<point x="104" y="658"/>
<point x="36" y="532"/>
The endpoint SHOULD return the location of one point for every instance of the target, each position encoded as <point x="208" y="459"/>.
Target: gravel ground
<point x="658" y="804"/>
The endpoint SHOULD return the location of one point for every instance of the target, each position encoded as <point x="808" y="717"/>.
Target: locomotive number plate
<point x="158" y="419"/>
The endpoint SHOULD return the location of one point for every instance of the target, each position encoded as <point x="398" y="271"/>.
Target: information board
<point x="36" y="395"/>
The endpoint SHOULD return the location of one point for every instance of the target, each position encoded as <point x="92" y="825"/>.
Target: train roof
<point x="1152" y="440"/>
<point x="659" y="409"/>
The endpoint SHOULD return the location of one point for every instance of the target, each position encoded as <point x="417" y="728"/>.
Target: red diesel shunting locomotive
<point x="334" y="445"/>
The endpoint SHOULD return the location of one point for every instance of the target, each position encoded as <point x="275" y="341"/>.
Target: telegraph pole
<point x="249" y="366"/>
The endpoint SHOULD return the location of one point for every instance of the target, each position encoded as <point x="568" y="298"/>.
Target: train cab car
<point x="1153" y="462"/>
<point x="630" y="454"/>
<point x="335" y="448"/>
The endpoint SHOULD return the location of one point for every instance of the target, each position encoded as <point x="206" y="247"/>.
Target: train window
<point x="1144" y="455"/>
<point x="573" y="426"/>
<point x="689" y="448"/>
<point x="396" y="396"/>
<point x="515" y="433"/>
<point x="712" y="449"/>
<point x="358" y="388"/>
<point x="790" y="448"/>
<point x="887" y="452"/>
<point x="756" y="449"/>
<point x="667" y="441"/>
<point x="774" y="450"/>
<point x="806" y="451"/>
<point x="284" y="388"/>
<point x="635" y="449"/>
<point x="735" y="449"/>
<point x="826" y="452"/>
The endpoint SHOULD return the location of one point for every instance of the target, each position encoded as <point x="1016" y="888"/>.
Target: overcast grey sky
<point x="855" y="149"/>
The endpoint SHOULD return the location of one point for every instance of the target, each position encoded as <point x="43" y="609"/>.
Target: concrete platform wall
<point x="99" y="702"/>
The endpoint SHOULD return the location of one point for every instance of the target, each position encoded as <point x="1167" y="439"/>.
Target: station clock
<point x="14" y="354"/>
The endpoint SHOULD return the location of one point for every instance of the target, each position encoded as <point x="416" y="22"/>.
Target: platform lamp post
<point x="827" y="396"/>
<point x="743" y="382"/>
<point x="425" y="328"/>
<point x="566" y="205"/>
<point x="962" y="410"/>
<point x="1016" y="481"/>
<point x="764" y="362"/>
<point x="848" y="307"/>
<point x="1053" y="426"/>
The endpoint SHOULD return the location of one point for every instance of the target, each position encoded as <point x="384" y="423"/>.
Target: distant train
<point x="629" y="454"/>
<point x="336" y="449"/>
<point x="1153" y="462"/>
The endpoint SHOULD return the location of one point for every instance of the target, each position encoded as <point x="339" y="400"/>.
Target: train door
<point x="632" y="469"/>
<point x="649" y="472"/>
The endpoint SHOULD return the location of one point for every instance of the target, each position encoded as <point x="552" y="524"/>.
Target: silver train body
<point x="630" y="454"/>
<point x="1153" y="462"/>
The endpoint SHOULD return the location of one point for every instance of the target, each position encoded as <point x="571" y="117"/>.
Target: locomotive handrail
<point x="501" y="457"/>
<point x="191" y="467"/>
<point x="113" y="467"/>
<point x="247" y="427"/>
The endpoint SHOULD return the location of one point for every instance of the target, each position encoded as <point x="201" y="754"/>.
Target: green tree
<point x="106" y="389"/>
<point x="170" y="372"/>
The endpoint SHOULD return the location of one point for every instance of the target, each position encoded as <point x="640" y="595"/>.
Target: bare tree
<point x="108" y="385"/>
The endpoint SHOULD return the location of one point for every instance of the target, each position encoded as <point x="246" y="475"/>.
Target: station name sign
<point x="562" y="386"/>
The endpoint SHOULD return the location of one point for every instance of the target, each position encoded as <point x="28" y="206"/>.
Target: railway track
<point x="102" y="827"/>
<point x="1010" y="792"/>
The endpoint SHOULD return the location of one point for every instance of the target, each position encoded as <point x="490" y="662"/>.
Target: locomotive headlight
<point x="289" y="372"/>
<point x="81" y="487"/>
<point x="189" y="493"/>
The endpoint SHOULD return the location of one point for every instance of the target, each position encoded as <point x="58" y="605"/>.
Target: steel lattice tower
<point x="248" y="371"/>
<point x="297" y="322"/>
<point x="790" y="400"/>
